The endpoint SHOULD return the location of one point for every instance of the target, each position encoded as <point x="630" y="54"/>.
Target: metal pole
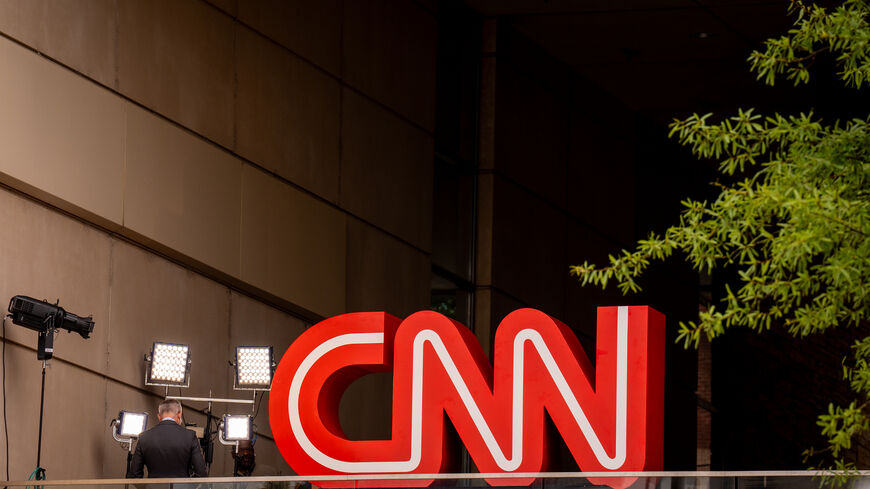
<point x="40" y="472"/>
<point x="209" y="448"/>
<point x="210" y="400"/>
<point x="129" y="459"/>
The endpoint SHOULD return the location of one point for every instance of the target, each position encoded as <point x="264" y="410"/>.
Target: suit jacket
<point x="168" y="450"/>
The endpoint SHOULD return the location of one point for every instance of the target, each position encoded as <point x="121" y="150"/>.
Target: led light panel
<point x="168" y="364"/>
<point x="237" y="427"/>
<point x="131" y="424"/>
<point x="253" y="367"/>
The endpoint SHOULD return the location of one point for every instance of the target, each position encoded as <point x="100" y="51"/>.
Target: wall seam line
<point x="243" y="159"/>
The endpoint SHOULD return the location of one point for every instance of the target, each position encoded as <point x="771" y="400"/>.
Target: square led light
<point x="131" y="425"/>
<point x="237" y="427"/>
<point x="253" y="367"/>
<point x="169" y="365"/>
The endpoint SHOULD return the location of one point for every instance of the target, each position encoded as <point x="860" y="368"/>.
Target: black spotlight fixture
<point x="46" y="318"/>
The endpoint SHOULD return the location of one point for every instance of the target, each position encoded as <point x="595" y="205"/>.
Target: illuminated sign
<point x="609" y="416"/>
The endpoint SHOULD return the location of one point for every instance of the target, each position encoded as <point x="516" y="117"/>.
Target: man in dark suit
<point x="168" y="449"/>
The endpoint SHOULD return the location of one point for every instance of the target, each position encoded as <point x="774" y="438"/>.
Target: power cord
<point x="259" y="402"/>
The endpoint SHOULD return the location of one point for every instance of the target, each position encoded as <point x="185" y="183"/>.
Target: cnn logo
<point x="610" y="416"/>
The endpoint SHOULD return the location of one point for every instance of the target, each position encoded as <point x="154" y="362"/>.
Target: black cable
<point x="5" y="422"/>
<point x="259" y="403"/>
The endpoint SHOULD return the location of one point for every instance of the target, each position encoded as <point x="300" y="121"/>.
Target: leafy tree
<point x="794" y="221"/>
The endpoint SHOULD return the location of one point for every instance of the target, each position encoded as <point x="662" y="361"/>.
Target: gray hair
<point x="169" y="406"/>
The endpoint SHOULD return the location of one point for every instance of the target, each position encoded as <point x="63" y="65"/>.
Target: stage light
<point x="45" y="318"/>
<point x="38" y="315"/>
<point x="131" y="424"/>
<point x="126" y="428"/>
<point x="236" y="427"/>
<point x="169" y="365"/>
<point x="254" y="366"/>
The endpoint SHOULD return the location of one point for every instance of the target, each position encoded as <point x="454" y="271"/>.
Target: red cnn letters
<point x="609" y="416"/>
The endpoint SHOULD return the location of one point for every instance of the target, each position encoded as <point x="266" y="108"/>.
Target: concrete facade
<point x="201" y="173"/>
<point x="220" y="173"/>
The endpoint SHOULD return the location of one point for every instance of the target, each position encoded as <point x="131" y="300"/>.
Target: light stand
<point x="44" y="352"/>
<point x="123" y="441"/>
<point x="45" y="318"/>
<point x="233" y="429"/>
<point x="254" y="367"/>
<point x="40" y="472"/>
<point x="208" y="449"/>
<point x="126" y="428"/>
<point x="206" y="435"/>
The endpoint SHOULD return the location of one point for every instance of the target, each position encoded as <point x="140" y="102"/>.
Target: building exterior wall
<point x="229" y="172"/>
<point x="206" y="173"/>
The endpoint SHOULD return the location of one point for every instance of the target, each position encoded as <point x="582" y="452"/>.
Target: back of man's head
<point x="169" y="407"/>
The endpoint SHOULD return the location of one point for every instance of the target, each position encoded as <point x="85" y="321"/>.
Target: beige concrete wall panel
<point x="23" y="20"/>
<point x="310" y="28"/>
<point x="253" y="323"/>
<point x="175" y="56"/>
<point x="74" y="406"/>
<point x="389" y="54"/>
<point x="531" y="140"/>
<point x="155" y="300"/>
<point x="182" y="191"/>
<point x="23" y="381"/>
<point x="46" y="255"/>
<point x="78" y="34"/>
<point x="25" y="384"/>
<point x="386" y="170"/>
<point x="82" y="36"/>
<point x="293" y="245"/>
<point x="528" y="256"/>
<point x="74" y="399"/>
<point x="384" y="274"/>
<point x="601" y="174"/>
<point x="61" y="136"/>
<point x="287" y="114"/>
